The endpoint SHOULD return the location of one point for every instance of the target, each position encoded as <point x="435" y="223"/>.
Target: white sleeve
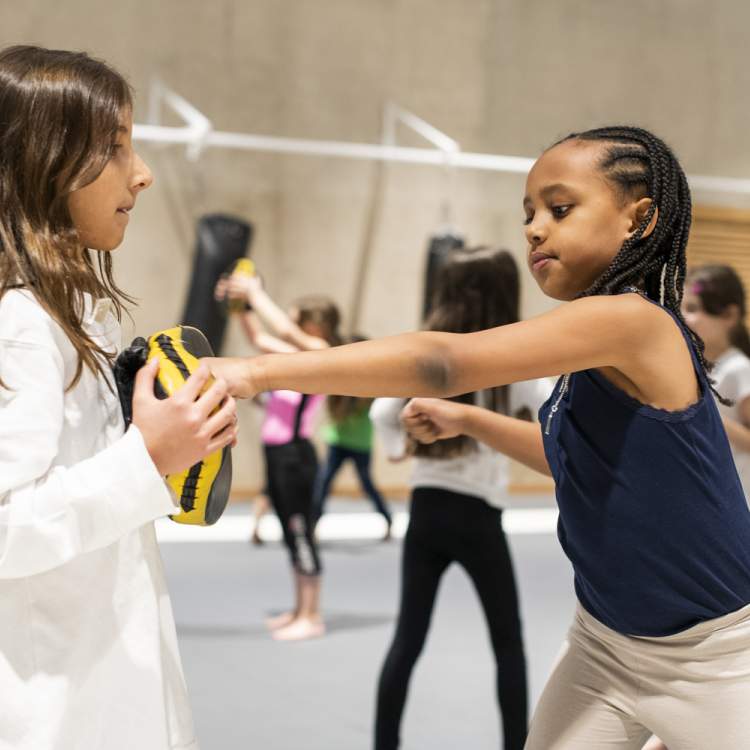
<point x="530" y="394"/>
<point x="52" y="514"/>
<point x="384" y="414"/>
<point x="737" y="384"/>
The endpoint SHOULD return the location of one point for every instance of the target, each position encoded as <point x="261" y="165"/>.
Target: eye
<point x="114" y="148"/>
<point x="560" y="212"/>
<point x="529" y="218"/>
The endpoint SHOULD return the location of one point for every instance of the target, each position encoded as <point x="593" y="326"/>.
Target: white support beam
<point x="198" y="134"/>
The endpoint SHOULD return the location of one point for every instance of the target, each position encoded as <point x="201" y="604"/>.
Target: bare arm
<point x="587" y="333"/>
<point x="431" y="419"/>
<point x="279" y="322"/>
<point x="289" y="337"/>
<point x="261" y="339"/>
<point x="516" y="438"/>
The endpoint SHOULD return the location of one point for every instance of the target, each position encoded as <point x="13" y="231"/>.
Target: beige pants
<point x="612" y="691"/>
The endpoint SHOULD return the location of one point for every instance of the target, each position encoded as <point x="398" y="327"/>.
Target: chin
<point x="554" y="291"/>
<point x="106" y="245"/>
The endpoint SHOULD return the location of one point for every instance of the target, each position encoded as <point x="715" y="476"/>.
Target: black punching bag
<point x="221" y="241"/>
<point x="438" y="251"/>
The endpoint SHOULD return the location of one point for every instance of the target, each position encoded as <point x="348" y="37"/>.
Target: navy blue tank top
<point x="652" y="512"/>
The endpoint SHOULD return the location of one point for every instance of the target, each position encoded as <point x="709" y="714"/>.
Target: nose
<point x="535" y="231"/>
<point x="142" y="176"/>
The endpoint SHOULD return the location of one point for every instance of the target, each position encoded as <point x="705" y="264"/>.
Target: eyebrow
<point x="548" y="190"/>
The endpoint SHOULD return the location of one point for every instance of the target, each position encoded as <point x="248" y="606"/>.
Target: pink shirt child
<point x="282" y="414"/>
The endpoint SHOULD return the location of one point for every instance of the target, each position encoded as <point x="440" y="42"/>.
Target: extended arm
<point x="430" y="419"/>
<point x="516" y="438"/>
<point x="587" y="333"/>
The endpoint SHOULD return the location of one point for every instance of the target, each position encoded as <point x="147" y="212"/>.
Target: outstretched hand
<point x="236" y="372"/>
<point x="431" y="419"/>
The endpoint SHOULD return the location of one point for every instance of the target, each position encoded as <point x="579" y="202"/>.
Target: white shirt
<point x="482" y="473"/>
<point x="88" y="648"/>
<point x="732" y="375"/>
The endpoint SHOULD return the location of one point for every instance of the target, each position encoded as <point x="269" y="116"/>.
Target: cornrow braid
<point x="640" y="165"/>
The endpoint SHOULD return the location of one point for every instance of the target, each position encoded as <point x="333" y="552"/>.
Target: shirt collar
<point x="97" y="310"/>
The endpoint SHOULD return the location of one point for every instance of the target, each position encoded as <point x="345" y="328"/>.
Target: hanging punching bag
<point x="438" y="251"/>
<point x="221" y="240"/>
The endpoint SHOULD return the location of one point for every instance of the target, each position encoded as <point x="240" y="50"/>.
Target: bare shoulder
<point x="627" y="309"/>
<point x="621" y="319"/>
<point x="655" y="363"/>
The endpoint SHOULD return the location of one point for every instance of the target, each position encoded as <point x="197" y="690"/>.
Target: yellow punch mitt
<point x="203" y="489"/>
<point x="244" y="268"/>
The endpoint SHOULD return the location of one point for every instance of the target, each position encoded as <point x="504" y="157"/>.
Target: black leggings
<point x="446" y="527"/>
<point x="290" y="473"/>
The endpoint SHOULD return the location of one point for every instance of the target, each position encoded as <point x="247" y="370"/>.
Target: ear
<point x="638" y="212"/>
<point x="731" y="313"/>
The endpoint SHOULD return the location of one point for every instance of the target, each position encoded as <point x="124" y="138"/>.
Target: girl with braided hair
<point x="652" y="513"/>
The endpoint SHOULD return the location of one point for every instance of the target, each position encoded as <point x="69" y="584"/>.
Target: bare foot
<point x="280" y="621"/>
<point x="654" y="744"/>
<point x="256" y="538"/>
<point x="301" y="629"/>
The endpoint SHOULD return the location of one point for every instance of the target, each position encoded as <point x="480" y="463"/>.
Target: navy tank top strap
<point x="700" y="371"/>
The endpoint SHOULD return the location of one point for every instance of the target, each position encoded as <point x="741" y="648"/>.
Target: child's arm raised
<point x="251" y="289"/>
<point x="586" y="333"/>
<point x="261" y="339"/>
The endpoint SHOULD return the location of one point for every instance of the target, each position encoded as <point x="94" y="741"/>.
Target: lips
<point x="538" y="259"/>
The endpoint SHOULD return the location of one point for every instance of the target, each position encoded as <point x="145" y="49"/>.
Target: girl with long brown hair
<point x="458" y="488"/>
<point x="87" y="637"/>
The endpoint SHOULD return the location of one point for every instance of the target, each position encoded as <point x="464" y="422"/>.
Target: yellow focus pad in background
<point x="243" y="267"/>
<point x="202" y="489"/>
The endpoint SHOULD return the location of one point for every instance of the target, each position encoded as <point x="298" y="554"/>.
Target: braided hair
<point x="640" y="165"/>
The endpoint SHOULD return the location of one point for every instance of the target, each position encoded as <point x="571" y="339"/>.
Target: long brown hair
<point x="323" y="312"/>
<point x="478" y="288"/>
<point x="59" y="116"/>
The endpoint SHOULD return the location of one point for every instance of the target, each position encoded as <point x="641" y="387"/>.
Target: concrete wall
<point x="499" y="76"/>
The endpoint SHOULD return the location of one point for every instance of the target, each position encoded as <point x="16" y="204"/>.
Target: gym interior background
<point x="498" y="76"/>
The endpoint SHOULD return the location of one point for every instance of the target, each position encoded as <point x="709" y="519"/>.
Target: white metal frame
<point x="198" y="134"/>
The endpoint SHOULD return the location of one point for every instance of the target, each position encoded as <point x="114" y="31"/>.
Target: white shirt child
<point x="481" y="473"/>
<point x="88" y="648"/>
<point x="732" y="375"/>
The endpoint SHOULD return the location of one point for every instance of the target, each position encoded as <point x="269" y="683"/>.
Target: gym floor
<point x="249" y="691"/>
